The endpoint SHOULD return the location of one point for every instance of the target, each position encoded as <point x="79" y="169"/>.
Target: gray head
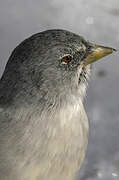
<point x="50" y="63"/>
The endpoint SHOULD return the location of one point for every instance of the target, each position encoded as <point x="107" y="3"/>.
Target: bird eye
<point x="66" y="59"/>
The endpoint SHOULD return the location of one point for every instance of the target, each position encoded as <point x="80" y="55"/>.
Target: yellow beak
<point x="98" y="52"/>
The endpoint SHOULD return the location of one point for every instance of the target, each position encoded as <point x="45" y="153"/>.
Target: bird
<point x="43" y="124"/>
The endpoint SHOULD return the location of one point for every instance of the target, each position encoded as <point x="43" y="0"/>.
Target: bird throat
<point x="84" y="75"/>
<point x="83" y="81"/>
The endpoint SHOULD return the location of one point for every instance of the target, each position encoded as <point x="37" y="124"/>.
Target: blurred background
<point x="97" y="21"/>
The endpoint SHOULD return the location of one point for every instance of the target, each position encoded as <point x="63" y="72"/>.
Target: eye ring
<point x="66" y="59"/>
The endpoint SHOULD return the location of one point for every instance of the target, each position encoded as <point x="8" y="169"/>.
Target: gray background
<point x="97" y="21"/>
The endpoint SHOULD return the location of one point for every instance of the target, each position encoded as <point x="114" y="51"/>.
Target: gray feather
<point x="43" y="124"/>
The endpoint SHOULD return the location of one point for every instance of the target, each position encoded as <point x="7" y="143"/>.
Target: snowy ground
<point x="97" y="21"/>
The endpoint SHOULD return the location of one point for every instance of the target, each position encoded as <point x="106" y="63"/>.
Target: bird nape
<point x="43" y="124"/>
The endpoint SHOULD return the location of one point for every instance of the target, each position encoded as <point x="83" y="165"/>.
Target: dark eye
<point x="66" y="59"/>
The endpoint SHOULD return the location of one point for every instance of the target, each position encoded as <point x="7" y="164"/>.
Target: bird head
<point x="52" y="62"/>
<point x="65" y="60"/>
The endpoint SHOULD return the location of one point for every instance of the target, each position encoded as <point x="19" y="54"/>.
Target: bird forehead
<point x="58" y="35"/>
